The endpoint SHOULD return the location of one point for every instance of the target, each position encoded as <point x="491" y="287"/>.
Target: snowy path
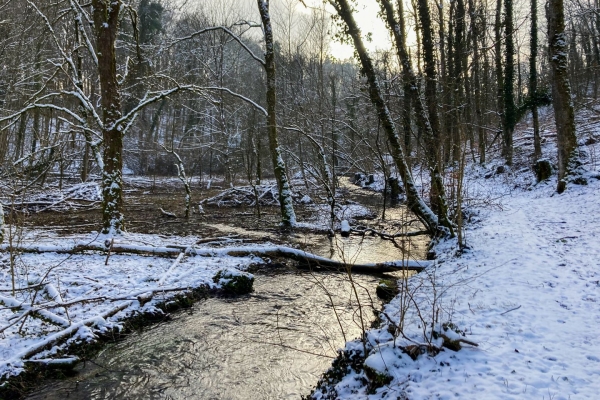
<point x="528" y="292"/>
<point x="548" y="257"/>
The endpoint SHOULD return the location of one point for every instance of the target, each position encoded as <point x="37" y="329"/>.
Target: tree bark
<point x="533" y="52"/>
<point x="568" y="159"/>
<point x="106" y="24"/>
<point x="288" y="216"/>
<point x="498" y="62"/>
<point x="397" y="27"/>
<point x="509" y="121"/>
<point x="415" y="203"/>
<point x="1" y="224"/>
<point x="437" y="193"/>
<point x="475" y="34"/>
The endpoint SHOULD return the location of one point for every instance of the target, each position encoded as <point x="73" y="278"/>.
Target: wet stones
<point x="387" y="289"/>
<point x="234" y="283"/>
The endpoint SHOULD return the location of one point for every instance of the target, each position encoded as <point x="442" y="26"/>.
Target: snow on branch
<point x="37" y="105"/>
<point x="226" y="30"/>
<point x="154" y="97"/>
<point x="79" y="13"/>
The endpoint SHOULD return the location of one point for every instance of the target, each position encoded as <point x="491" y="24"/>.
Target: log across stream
<point x="272" y="344"/>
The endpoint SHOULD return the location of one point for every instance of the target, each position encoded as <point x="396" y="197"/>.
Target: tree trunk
<point x="533" y="51"/>
<point x="288" y="217"/>
<point x="1" y="224"/>
<point x="399" y="32"/>
<point x="437" y="194"/>
<point x="568" y="157"/>
<point x="498" y="62"/>
<point x="415" y="203"/>
<point x="508" y="125"/>
<point x="481" y="137"/>
<point x="106" y="24"/>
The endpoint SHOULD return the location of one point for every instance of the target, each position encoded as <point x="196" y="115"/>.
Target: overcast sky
<point x="366" y="17"/>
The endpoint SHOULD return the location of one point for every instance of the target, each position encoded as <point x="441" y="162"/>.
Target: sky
<point x="366" y="17"/>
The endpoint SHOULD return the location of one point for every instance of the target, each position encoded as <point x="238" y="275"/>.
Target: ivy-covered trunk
<point x="568" y="160"/>
<point x="510" y="110"/>
<point x="423" y="120"/>
<point x="288" y="216"/>
<point x="533" y="51"/>
<point x="415" y="202"/>
<point x="106" y="24"/>
<point x="1" y="224"/>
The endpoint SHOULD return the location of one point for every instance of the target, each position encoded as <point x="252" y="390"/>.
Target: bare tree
<point x="288" y="217"/>
<point x="106" y="26"/>
<point x="568" y="155"/>
<point x="415" y="202"/>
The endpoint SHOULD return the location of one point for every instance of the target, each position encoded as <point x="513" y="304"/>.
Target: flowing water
<point x="272" y="344"/>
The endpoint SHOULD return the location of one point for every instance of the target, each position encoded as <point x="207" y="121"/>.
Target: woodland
<point x="181" y="89"/>
<point x="226" y="105"/>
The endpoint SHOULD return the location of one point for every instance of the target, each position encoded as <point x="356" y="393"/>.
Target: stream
<point x="272" y="344"/>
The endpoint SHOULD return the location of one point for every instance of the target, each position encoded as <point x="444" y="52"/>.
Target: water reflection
<point x="273" y="344"/>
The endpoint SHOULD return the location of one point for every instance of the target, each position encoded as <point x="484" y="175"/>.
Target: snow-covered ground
<point x="86" y="294"/>
<point x="526" y="291"/>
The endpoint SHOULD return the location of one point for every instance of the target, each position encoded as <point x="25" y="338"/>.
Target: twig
<point x="512" y="309"/>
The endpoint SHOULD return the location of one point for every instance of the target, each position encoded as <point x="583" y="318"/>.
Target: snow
<point x="84" y="294"/>
<point x="345" y="226"/>
<point x="527" y="291"/>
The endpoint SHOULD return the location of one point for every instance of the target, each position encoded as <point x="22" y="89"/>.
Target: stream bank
<point x="235" y="231"/>
<point x="271" y="344"/>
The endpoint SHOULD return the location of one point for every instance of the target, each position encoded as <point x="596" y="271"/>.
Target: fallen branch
<point x="175" y="263"/>
<point x="61" y="362"/>
<point x="28" y="310"/>
<point x="308" y="259"/>
<point x="512" y="309"/>
<point x="390" y="236"/>
<point x="167" y="214"/>
<point x="58" y="336"/>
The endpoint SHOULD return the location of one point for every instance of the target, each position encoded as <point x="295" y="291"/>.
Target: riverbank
<point x="520" y="304"/>
<point x="63" y="303"/>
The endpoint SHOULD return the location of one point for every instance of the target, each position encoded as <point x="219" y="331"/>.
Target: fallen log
<point x="312" y="260"/>
<point x="390" y="236"/>
<point x="307" y="259"/>
<point x="58" y="336"/>
<point x="81" y="247"/>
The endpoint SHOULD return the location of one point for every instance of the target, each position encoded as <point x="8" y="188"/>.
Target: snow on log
<point x="166" y="274"/>
<point x="81" y="247"/>
<point x="309" y="259"/>
<point x="345" y="228"/>
<point x="313" y="260"/>
<point x="167" y="214"/>
<point x="45" y="314"/>
<point x="58" y="336"/>
<point x="59" y="362"/>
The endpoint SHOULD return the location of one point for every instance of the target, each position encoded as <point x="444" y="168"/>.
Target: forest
<point x="427" y="169"/>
